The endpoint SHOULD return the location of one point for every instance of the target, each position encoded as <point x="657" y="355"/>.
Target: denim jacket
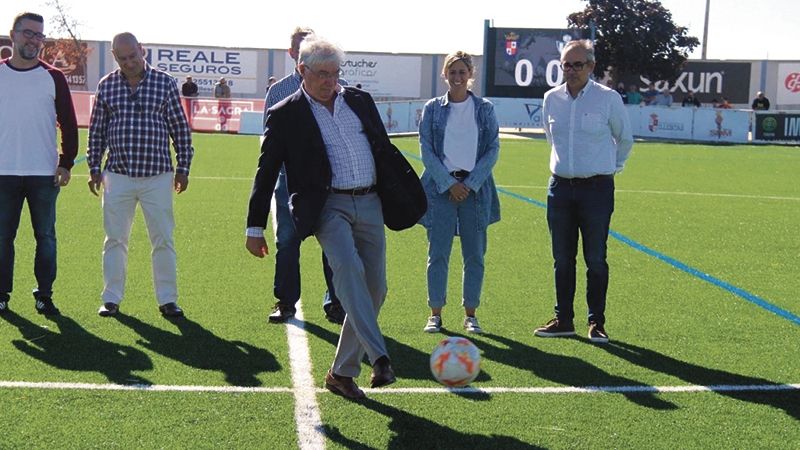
<point x="437" y="180"/>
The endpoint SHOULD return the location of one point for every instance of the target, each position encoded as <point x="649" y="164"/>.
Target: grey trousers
<point x="352" y="236"/>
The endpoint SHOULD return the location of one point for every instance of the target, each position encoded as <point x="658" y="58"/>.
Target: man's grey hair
<point x="124" y="37"/>
<point x="585" y="44"/>
<point x="315" y="51"/>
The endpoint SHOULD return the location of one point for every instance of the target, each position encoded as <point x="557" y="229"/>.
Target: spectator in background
<point x="634" y="96"/>
<point x="459" y="144"/>
<point x="622" y="92"/>
<point x="663" y="98"/>
<point x="358" y="85"/>
<point x="270" y="81"/>
<point x="714" y="103"/>
<point x="690" y="100"/>
<point x="189" y="87"/>
<point x="34" y="97"/>
<point x="286" y="286"/>
<point x="650" y="94"/>
<point x="725" y="104"/>
<point x="580" y="197"/>
<point x="221" y="89"/>
<point x="137" y="110"/>
<point x="760" y="103"/>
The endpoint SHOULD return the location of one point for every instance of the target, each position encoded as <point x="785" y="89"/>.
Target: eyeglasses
<point x="30" y="34"/>
<point x="577" y="67"/>
<point x="326" y="75"/>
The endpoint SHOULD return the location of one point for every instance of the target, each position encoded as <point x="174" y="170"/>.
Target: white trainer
<point x="434" y="324"/>
<point x="471" y="325"/>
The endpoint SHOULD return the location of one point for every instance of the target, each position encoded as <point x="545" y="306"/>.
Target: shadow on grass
<point x="407" y="362"/>
<point x="197" y="347"/>
<point x="75" y="349"/>
<point x="564" y="370"/>
<point x="410" y="431"/>
<point x="789" y="401"/>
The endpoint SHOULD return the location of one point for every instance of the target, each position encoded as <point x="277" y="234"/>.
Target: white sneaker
<point x="471" y="325"/>
<point x="434" y="324"/>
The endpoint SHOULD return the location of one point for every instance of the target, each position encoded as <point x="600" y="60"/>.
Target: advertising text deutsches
<point x="207" y="62"/>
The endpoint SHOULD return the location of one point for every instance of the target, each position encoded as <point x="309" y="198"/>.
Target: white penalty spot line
<point x="310" y="434"/>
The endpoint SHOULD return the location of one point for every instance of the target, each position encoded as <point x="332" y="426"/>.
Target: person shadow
<point x="410" y="431"/>
<point x="407" y="362"/>
<point x="788" y="400"/>
<point x="197" y="347"/>
<point x="564" y="370"/>
<point x="73" y="348"/>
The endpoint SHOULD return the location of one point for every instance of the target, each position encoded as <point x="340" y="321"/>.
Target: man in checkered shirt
<point x="136" y="112"/>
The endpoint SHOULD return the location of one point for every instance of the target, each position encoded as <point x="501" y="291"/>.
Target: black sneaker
<point x="597" y="333"/>
<point x="3" y="306"/>
<point x="44" y="305"/>
<point x="555" y="328"/>
<point x="335" y="313"/>
<point x="108" y="309"/>
<point x="281" y="313"/>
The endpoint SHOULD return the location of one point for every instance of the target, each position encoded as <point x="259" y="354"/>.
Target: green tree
<point x="635" y="37"/>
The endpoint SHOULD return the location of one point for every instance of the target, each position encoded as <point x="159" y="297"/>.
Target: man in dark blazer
<point x="325" y="136"/>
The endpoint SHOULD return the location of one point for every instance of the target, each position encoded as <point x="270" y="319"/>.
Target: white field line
<point x="310" y="434"/>
<point x="696" y="194"/>
<point x="640" y="389"/>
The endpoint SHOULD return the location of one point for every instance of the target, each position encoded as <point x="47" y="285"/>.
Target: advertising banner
<point x="788" y="84"/>
<point x="721" y="125"/>
<point x="708" y="80"/>
<point x="206" y="65"/>
<point x="777" y="127"/>
<point x="663" y="122"/>
<point x="518" y="112"/>
<point x="61" y="54"/>
<point x="524" y="62"/>
<point x="219" y="115"/>
<point x="383" y="76"/>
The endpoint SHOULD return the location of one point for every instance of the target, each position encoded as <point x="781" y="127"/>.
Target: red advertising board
<point x="203" y="114"/>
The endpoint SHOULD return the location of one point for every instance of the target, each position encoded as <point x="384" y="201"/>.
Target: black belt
<point x="354" y="191"/>
<point x="582" y="180"/>
<point x="460" y="175"/>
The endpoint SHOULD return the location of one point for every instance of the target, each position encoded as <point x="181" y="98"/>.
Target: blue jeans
<point x="286" y="287"/>
<point x="41" y="197"/>
<point x="583" y="206"/>
<point x="449" y="218"/>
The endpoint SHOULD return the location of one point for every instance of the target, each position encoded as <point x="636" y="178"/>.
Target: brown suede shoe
<point x="344" y="386"/>
<point x="382" y="373"/>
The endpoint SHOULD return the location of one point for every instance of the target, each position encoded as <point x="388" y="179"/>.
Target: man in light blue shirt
<point x="590" y="137"/>
<point x="286" y="287"/>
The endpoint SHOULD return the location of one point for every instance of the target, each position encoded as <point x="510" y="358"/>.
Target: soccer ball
<point x="455" y="362"/>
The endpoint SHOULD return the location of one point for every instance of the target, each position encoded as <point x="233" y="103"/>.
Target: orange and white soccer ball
<point x="455" y="362"/>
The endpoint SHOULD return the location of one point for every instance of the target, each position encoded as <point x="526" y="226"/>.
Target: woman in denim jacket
<point x="459" y="143"/>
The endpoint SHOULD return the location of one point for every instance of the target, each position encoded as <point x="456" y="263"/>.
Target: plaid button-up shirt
<point x="136" y="126"/>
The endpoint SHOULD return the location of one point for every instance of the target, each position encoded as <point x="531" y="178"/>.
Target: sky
<point x="737" y="29"/>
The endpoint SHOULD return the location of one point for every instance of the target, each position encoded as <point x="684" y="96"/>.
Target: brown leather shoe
<point x="382" y="373"/>
<point x="344" y="386"/>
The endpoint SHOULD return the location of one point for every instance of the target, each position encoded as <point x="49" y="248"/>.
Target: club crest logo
<point x="512" y="42"/>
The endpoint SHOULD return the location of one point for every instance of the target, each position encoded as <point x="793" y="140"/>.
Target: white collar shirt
<point x="588" y="135"/>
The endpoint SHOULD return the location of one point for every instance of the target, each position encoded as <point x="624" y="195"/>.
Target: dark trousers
<point x="286" y="287"/>
<point x="41" y="194"/>
<point x="585" y="206"/>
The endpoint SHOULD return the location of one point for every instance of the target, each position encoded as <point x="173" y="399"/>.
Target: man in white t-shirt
<point x="35" y="97"/>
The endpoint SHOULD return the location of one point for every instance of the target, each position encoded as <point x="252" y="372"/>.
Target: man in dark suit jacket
<point x="325" y="136"/>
